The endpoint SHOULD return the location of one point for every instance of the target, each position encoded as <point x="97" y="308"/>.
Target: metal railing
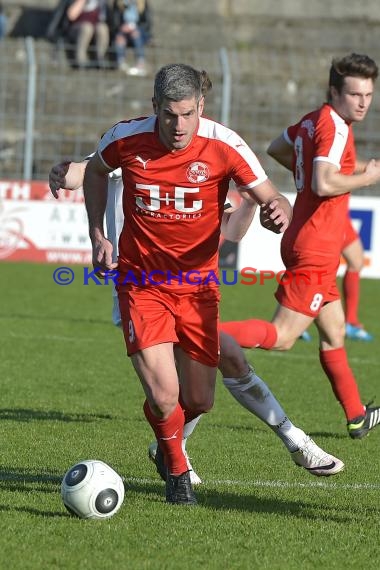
<point x="49" y="111"/>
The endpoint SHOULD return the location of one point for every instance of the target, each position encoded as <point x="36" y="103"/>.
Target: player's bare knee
<point x="233" y="366"/>
<point x="355" y="264"/>
<point x="163" y="405"/>
<point x="232" y="361"/>
<point x="333" y="337"/>
<point x="339" y="336"/>
<point x="200" y="405"/>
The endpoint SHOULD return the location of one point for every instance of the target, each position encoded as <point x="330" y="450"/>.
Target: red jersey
<point x="318" y="223"/>
<point x="173" y="201"/>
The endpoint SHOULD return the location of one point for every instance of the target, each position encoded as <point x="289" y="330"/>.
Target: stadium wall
<point x="278" y="68"/>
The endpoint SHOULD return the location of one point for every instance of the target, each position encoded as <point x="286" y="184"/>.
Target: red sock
<point x="336" y="367"/>
<point x="252" y="333"/>
<point x="169" y="435"/>
<point x="351" y="291"/>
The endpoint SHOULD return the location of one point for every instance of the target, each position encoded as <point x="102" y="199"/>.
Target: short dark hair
<point x="352" y="65"/>
<point x="176" y="82"/>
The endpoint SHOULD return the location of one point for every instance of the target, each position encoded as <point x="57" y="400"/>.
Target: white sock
<point x="188" y="429"/>
<point x="252" y="393"/>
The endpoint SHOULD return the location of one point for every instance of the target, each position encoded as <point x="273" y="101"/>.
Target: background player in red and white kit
<point x="176" y="169"/>
<point x="320" y="151"/>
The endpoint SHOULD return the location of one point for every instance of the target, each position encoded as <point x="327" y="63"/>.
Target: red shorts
<point x="350" y="234"/>
<point x="309" y="282"/>
<point x="151" y="316"/>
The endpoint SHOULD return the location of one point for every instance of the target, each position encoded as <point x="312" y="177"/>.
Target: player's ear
<point x="155" y="106"/>
<point x="201" y="105"/>
<point x="333" y="92"/>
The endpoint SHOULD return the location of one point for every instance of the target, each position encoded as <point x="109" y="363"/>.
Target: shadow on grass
<point x="328" y="434"/>
<point x="37" y="512"/>
<point x="279" y="507"/>
<point x="28" y="415"/>
<point x="251" y="503"/>
<point x="237" y="427"/>
<point x="263" y="428"/>
<point x="26" y="480"/>
<point x="154" y="492"/>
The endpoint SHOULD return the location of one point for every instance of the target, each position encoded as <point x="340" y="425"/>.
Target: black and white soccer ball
<point x="91" y="489"/>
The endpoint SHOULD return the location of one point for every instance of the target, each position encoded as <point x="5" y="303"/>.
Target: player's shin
<point x="252" y="393"/>
<point x="169" y="432"/>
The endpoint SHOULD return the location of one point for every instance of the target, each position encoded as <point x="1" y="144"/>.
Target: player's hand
<point x="373" y="170"/>
<point x="57" y="177"/>
<point x="102" y="257"/>
<point x="273" y="217"/>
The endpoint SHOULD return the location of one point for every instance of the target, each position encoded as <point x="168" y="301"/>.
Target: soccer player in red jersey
<point x="320" y="151"/>
<point x="238" y="376"/>
<point x="176" y="169"/>
<point x="240" y="379"/>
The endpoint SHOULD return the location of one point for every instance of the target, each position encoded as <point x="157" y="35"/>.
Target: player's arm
<point x="360" y="166"/>
<point x="275" y="209"/>
<point x="282" y="151"/>
<point x="66" y="175"/>
<point x="95" y="188"/>
<point x="327" y="180"/>
<point x="236" y="221"/>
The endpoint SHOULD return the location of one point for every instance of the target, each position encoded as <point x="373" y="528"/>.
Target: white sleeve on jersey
<point x="114" y="213"/>
<point x="114" y="223"/>
<point x="114" y="174"/>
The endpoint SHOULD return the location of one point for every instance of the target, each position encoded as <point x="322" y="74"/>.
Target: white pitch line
<point x="275" y="484"/>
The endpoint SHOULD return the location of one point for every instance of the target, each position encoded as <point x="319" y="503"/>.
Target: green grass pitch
<point x="68" y="392"/>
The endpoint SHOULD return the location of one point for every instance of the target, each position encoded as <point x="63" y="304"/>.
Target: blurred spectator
<point x="88" y="20"/>
<point x="132" y="21"/>
<point x="3" y="22"/>
<point x="57" y="30"/>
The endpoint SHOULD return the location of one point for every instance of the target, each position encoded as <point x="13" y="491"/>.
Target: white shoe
<point x="194" y="478"/>
<point x="315" y="460"/>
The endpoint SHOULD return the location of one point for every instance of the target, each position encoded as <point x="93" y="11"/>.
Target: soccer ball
<point x="91" y="489"/>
